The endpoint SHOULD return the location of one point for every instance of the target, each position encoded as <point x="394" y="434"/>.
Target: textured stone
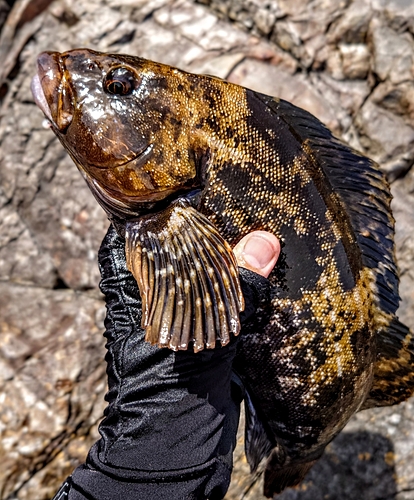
<point x="393" y="53"/>
<point x="377" y="127"/>
<point x="355" y="60"/>
<point x="352" y="26"/>
<point x="399" y="99"/>
<point x="273" y="80"/>
<point x="52" y="384"/>
<point x="348" y="62"/>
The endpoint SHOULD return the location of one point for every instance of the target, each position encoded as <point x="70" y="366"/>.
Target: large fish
<point x="185" y="165"/>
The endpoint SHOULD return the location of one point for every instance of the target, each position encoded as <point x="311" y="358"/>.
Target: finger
<point x="258" y="251"/>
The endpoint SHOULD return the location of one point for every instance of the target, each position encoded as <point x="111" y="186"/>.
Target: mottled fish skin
<point x="328" y="343"/>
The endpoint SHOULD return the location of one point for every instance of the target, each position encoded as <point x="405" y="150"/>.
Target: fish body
<point x="186" y="165"/>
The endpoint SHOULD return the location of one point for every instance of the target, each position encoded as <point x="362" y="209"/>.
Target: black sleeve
<point x="170" y="426"/>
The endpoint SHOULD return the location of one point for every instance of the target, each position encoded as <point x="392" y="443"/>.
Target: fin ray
<point x="188" y="278"/>
<point x="257" y="443"/>
<point x="393" y="371"/>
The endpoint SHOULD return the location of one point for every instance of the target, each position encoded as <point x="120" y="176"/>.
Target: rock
<point x="377" y="127"/>
<point x="4" y="10"/>
<point x="393" y="53"/>
<point x="399" y="99"/>
<point x="273" y="80"/>
<point x="348" y="62"/>
<point x="398" y="166"/>
<point x="399" y="13"/>
<point x="345" y="97"/>
<point x="402" y="205"/>
<point x="264" y="20"/>
<point x="352" y="27"/>
<point x="355" y="60"/>
<point x="52" y="385"/>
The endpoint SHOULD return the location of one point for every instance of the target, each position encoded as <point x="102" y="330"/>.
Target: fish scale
<point x="186" y="165"/>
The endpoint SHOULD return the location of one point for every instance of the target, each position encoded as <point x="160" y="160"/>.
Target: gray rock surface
<point x="349" y="62"/>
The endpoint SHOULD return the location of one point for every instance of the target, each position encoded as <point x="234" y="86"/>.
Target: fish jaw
<point x="52" y="92"/>
<point x="39" y="97"/>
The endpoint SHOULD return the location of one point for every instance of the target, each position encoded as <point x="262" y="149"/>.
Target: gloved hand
<point x="170" y="426"/>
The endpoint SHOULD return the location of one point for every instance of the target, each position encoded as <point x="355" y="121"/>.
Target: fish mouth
<point x="52" y="92"/>
<point x="39" y="97"/>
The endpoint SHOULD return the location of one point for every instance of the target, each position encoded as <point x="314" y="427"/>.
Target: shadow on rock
<point x="355" y="465"/>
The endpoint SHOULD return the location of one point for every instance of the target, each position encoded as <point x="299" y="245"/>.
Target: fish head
<point x="124" y="121"/>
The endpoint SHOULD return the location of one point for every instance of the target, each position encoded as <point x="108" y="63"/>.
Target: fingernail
<point x="258" y="252"/>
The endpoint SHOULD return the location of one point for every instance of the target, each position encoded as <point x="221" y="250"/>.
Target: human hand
<point x="258" y="251"/>
<point x="170" y="427"/>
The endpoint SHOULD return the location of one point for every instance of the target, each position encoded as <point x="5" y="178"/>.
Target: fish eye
<point x="120" y="81"/>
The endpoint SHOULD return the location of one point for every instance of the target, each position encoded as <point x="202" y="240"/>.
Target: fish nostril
<point x="48" y="61"/>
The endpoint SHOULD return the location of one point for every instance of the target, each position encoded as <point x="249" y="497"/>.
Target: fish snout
<point x="52" y="91"/>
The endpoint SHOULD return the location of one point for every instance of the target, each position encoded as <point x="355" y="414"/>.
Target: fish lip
<point x="39" y="97"/>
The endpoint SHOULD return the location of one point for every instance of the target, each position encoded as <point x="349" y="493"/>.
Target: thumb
<point x="258" y="251"/>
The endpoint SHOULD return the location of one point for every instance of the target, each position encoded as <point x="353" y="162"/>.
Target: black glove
<point x="170" y="427"/>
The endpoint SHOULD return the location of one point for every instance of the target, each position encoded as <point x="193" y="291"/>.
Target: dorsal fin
<point x="365" y="195"/>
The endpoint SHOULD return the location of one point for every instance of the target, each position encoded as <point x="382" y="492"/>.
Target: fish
<point x="185" y="166"/>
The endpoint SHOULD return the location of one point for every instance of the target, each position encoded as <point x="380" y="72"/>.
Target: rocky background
<point x="351" y="63"/>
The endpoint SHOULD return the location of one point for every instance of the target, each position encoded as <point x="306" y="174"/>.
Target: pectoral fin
<point x="188" y="279"/>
